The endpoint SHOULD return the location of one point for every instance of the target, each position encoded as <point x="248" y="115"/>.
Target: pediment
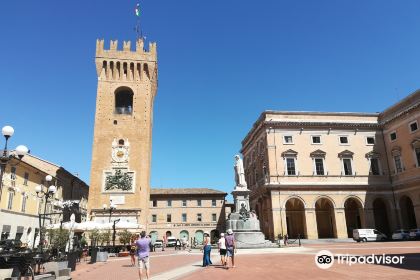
<point x="318" y="153"/>
<point x="345" y="153"/>
<point x="372" y="154"/>
<point x="289" y="153"/>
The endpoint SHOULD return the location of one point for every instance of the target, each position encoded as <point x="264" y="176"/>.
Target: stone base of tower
<point x="126" y="215"/>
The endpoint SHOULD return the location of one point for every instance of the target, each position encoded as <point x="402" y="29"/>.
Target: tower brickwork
<point x="122" y="143"/>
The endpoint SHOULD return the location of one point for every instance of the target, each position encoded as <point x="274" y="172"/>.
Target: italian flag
<point x="137" y="10"/>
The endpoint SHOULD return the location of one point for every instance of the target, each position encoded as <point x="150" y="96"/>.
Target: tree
<point x="125" y="237"/>
<point x="58" y="238"/>
<point x="104" y="237"/>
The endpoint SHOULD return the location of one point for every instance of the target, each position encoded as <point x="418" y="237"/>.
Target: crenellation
<point x="127" y="46"/>
<point x="113" y="45"/>
<point x="126" y="53"/>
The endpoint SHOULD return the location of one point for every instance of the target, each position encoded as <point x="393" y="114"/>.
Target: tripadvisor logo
<point x="325" y="259"/>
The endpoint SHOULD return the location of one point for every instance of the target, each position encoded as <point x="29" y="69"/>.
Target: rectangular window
<point x="184" y="217"/>
<point x="398" y="164"/>
<point x="5" y="232"/>
<point x="316" y="139"/>
<point x="213" y="202"/>
<point x="319" y="166"/>
<point x="168" y="218"/>
<point x="291" y="168"/>
<point x="393" y="136"/>
<point x="413" y="126"/>
<point x="154" y="218"/>
<point x="347" y="166"/>
<point x="19" y="232"/>
<point x="199" y="202"/>
<point x="214" y="217"/>
<point x="370" y="140"/>
<point x="199" y="217"/>
<point x="374" y="166"/>
<point x="184" y="203"/>
<point x="288" y="139"/>
<point x="25" y="179"/>
<point x="344" y="140"/>
<point x="13" y="173"/>
<point x="10" y="201"/>
<point x="23" y="209"/>
<point x="417" y="151"/>
<point x="154" y="203"/>
<point x="169" y="203"/>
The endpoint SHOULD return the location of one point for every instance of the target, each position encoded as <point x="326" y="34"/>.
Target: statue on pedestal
<point x="239" y="173"/>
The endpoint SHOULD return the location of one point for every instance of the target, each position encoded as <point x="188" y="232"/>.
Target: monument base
<point x="252" y="239"/>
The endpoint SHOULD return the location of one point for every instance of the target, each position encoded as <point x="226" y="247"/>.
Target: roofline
<point x="320" y="113"/>
<point x="395" y="105"/>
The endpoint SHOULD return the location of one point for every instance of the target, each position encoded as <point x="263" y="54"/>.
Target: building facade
<point x="121" y="153"/>
<point x="186" y="213"/>
<point x="20" y="206"/>
<point x="320" y="175"/>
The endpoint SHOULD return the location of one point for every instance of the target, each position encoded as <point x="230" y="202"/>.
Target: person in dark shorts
<point x="230" y="246"/>
<point x="133" y="249"/>
<point x="222" y="249"/>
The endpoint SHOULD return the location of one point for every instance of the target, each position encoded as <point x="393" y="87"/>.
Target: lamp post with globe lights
<point x="6" y="156"/>
<point x="40" y="193"/>
<point x="111" y="209"/>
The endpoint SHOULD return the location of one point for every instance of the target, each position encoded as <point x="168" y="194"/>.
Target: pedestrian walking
<point x="178" y="244"/>
<point x="286" y="240"/>
<point x="230" y="247"/>
<point x="133" y="249"/>
<point x="221" y="244"/>
<point x="143" y="249"/>
<point x="206" y="250"/>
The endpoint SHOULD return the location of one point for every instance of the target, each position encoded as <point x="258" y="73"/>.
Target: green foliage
<point x="58" y="238"/>
<point x="125" y="237"/>
<point x="119" y="181"/>
<point x="104" y="237"/>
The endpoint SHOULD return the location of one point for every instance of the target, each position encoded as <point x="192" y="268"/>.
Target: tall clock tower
<point x="122" y="142"/>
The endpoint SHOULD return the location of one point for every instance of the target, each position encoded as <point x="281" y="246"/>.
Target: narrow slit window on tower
<point x="146" y="70"/>
<point x="121" y="142"/>
<point x="104" y="70"/>
<point x="124" y="101"/>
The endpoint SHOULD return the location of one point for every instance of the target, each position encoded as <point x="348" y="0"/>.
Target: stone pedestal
<point x="245" y="224"/>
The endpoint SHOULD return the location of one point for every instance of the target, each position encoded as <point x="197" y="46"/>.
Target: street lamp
<point x="40" y="193"/>
<point x="7" y="155"/>
<point x="111" y="209"/>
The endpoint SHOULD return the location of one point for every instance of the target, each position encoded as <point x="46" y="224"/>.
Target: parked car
<point x="401" y="234"/>
<point x="158" y="243"/>
<point x="366" y="234"/>
<point x="170" y="241"/>
<point x="415" y="233"/>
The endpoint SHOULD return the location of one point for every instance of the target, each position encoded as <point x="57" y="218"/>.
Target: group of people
<point x="140" y="247"/>
<point x="226" y="247"/>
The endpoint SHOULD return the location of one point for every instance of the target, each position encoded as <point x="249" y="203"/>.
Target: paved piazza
<point x="276" y="263"/>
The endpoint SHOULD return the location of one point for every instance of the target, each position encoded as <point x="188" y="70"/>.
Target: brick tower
<point x="122" y="142"/>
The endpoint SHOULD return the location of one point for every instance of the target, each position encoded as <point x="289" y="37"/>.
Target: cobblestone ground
<point x="282" y="263"/>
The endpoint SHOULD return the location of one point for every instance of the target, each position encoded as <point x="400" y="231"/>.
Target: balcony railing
<point x="123" y="110"/>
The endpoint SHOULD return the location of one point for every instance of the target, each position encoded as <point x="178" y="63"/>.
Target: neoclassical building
<point x="320" y="175"/>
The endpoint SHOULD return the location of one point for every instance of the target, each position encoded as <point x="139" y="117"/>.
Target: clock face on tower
<point x="120" y="154"/>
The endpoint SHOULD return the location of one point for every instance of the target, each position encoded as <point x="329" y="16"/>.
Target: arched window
<point x="121" y="142"/>
<point x="124" y="101"/>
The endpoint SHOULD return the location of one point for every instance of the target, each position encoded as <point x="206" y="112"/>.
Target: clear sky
<point x="221" y="63"/>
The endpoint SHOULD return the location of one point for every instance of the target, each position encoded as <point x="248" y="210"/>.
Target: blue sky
<point x="221" y="63"/>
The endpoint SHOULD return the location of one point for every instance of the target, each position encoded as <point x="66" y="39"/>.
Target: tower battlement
<point x="126" y="64"/>
<point x="140" y="53"/>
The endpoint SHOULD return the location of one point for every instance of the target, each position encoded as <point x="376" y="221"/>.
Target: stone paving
<point x="273" y="263"/>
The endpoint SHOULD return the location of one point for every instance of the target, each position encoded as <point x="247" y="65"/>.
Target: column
<point x="340" y="223"/>
<point x="311" y="226"/>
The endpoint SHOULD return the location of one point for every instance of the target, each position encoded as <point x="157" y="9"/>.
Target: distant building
<point x="320" y="175"/>
<point x="186" y="213"/>
<point x="19" y="207"/>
